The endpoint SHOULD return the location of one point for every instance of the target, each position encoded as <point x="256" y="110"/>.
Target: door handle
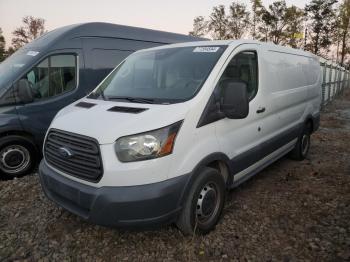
<point x="260" y="110"/>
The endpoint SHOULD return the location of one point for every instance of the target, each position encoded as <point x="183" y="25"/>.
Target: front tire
<point x="204" y="203"/>
<point x="17" y="156"/>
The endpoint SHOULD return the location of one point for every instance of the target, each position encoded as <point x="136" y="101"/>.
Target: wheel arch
<point x="314" y="121"/>
<point x="310" y="122"/>
<point x="218" y="161"/>
<point x="28" y="136"/>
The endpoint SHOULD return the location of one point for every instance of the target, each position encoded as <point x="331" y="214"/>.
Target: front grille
<point x="74" y="154"/>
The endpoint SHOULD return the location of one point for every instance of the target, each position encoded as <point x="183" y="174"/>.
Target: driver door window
<point x="53" y="76"/>
<point x="243" y="68"/>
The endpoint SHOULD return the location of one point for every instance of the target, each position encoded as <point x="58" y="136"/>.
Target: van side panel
<point x="295" y="87"/>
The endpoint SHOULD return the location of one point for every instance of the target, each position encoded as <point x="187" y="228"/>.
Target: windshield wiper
<point x="132" y="99"/>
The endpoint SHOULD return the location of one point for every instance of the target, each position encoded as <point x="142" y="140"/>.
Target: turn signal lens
<point x="168" y="145"/>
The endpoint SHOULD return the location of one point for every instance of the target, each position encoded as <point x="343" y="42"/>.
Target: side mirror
<point x="234" y="99"/>
<point x="24" y="91"/>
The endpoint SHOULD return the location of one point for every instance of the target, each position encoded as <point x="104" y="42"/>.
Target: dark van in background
<point x="54" y="71"/>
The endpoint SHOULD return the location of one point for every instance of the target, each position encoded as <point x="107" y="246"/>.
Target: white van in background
<point x="171" y="128"/>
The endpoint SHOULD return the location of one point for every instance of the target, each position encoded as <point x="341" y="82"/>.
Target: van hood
<point x="106" y="121"/>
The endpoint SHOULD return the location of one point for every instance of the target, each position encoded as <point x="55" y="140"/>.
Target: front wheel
<point x="204" y="203"/>
<point x="17" y="156"/>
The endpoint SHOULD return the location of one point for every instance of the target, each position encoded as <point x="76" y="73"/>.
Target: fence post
<point x="323" y="85"/>
<point x="330" y="83"/>
<point x="339" y="76"/>
<point x="339" y="79"/>
<point x="344" y="79"/>
<point x="335" y="81"/>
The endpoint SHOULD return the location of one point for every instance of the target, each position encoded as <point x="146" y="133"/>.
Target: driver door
<point x="241" y="139"/>
<point x="54" y="83"/>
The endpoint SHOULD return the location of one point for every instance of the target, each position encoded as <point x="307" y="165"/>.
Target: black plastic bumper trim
<point x="142" y="205"/>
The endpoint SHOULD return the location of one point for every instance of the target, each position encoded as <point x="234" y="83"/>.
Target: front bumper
<point x="143" y="205"/>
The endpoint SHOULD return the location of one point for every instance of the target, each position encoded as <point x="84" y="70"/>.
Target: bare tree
<point x="281" y="24"/>
<point x="218" y="23"/>
<point x="257" y="8"/>
<point x="275" y="18"/>
<point x="343" y="28"/>
<point x="2" y="47"/>
<point x="322" y="24"/>
<point x="32" y="29"/>
<point x="239" y="20"/>
<point x="200" y="27"/>
<point x="293" y="35"/>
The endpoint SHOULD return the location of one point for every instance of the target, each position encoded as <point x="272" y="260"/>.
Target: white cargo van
<point x="171" y="128"/>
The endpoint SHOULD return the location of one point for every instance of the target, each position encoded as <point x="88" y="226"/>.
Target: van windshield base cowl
<point x="162" y="76"/>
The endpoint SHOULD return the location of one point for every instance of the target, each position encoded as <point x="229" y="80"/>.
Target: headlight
<point x="148" y="145"/>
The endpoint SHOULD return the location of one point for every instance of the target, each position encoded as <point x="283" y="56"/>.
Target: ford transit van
<point x="54" y="71"/>
<point x="171" y="128"/>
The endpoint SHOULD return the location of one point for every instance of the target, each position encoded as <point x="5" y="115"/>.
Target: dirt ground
<point x="291" y="211"/>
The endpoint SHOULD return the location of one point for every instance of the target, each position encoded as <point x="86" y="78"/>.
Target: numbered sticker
<point x="32" y="53"/>
<point x="206" y="49"/>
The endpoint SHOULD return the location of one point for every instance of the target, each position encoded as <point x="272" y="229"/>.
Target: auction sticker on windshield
<point x="32" y="53"/>
<point x="206" y="49"/>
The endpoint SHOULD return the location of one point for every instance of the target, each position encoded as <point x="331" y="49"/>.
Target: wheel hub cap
<point x="207" y="202"/>
<point x="14" y="159"/>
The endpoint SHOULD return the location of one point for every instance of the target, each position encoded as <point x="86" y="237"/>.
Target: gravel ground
<point x="291" y="211"/>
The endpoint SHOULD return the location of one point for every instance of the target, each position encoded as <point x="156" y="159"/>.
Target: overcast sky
<point x="173" y="16"/>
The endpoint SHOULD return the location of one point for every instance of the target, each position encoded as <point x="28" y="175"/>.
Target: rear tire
<point x="18" y="156"/>
<point x="204" y="203"/>
<point x="302" y="146"/>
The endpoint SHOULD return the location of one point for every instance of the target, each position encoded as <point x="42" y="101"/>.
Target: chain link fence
<point x="335" y="80"/>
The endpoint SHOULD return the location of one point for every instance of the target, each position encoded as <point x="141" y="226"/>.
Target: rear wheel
<point x="302" y="146"/>
<point x="204" y="203"/>
<point x="17" y="156"/>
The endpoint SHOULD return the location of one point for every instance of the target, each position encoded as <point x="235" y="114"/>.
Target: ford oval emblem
<point x="65" y="152"/>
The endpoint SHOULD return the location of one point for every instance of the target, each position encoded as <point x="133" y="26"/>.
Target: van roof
<point x="108" y="30"/>
<point x="270" y="46"/>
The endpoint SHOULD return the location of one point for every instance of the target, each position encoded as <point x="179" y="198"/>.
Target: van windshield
<point x="10" y="68"/>
<point x="160" y="76"/>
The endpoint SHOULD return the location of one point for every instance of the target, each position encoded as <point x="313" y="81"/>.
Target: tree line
<point x="31" y="29"/>
<point x="320" y="27"/>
